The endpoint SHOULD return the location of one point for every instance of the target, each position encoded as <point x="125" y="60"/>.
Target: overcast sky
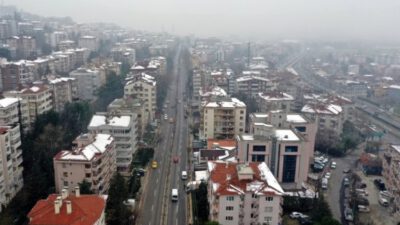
<point x="261" y="19"/>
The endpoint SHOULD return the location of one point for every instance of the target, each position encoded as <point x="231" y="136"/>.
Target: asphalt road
<point x="157" y="205"/>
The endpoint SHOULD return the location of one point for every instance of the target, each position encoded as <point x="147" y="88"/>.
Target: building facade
<point x="391" y="172"/>
<point x="222" y="119"/>
<point x="241" y="194"/>
<point x="144" y="87"/>
<point x="89" y="81"/>
<point x="123" y="128"/>
<point x="274" y="100"/>
<point x="64" y="90"/>
<point x="92" y="158"/>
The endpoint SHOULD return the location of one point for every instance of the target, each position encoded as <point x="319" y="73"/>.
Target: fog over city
<point x="250" y="19"/>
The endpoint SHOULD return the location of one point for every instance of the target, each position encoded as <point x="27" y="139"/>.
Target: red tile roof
<point x="86" y="210"/>
<point x="232" y="186"/>
<point x="230" y="143"/>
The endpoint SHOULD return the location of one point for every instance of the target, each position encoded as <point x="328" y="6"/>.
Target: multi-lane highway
<point x="157" y="207"/>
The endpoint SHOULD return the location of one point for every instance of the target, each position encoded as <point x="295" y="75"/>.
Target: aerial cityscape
<point x="189" y="113"/>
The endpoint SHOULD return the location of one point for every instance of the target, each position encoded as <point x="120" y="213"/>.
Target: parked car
<point x="305" y="221"/>
<point x="346" y="182"/>
<point x="362" y="191"/>
<point x="333" y="165"/>
<point x="361" y="185"/>
<point x="383" y="202"/>
<point x="347" y="170"/>
<point x="154" y="164"/>
<point x="348" y="214"/>
<point x="328" y="175"/>
<point x="380" y="184"/>
<point x="363" y="208"/>
<point x="296" y="215"/>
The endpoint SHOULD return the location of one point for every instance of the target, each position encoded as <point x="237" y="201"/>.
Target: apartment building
<point x="9" y="108"/>
<point x="391" y="172"/>
<point x="92" y="158"/>
<point x="64" y="90"/>
<point x="15" y="74"/>
<point x="275" y="100"/>
<point x="11" y="180"/>
<point x="243" y="193"/>
<point x="197" y="83"/>
<point x="124" y="55"/>
<point x="144" y="87"/>
<point x="134" y="106"/>
<point x="69" y="209"/>
<point x="222" y="118"/>
<point x="326" y="115"/>
<point x="38" y="99"/>
<point x="89" y="81"/>
<point x="252" y="85"/>
<point x="123" y="127"/>
<point x="22" y="47"/>
<point x="285" y="142"/>
<point x="89" y="42"/>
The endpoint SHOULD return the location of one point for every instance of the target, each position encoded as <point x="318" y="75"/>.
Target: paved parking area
<point x="379" y="215"/>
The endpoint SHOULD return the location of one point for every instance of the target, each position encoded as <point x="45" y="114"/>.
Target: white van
<point x="324" y="183"/>
<point x="174" y="196"/>
<point x="184" y="175"/>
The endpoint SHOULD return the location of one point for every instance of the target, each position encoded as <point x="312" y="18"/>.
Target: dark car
<point x="304" y="221"/>
<point x="361" y="185"/>
<point x="380" y="184"/>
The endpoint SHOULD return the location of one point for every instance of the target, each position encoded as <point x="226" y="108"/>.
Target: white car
<point x="165" y="117"/>
<point x="362" y="208"/>
<point x="383" y="202"/>
<point x="328" y="175"/>
<point x="333" y="165"/>
<point x="296" y="215"/>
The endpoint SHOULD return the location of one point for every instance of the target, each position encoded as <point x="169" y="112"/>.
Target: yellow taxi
<point x="154" y="164"/>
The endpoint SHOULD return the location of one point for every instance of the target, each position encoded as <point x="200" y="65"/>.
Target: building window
<point x="88" y="175"/>
<point x="241" y="111"/>
<point x="241" y="118"/>
<point x="258" y="158"/>
<point x="269" y="198"/>
<point x="268" y="209"/>
<point x="301" y="129"/>
<point x="229" y="218"/>
<point x="65" y="183"/>
<point x="268" y="219"/>
<point x="230" y="198"/>
<point x="291" y="149"/>
<point x="65" y="174"/>
<point x="289" y="168"/>
<point x="229" y="208"/>
<point x="259" y="148"/>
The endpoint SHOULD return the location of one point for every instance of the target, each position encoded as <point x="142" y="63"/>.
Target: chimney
<point x="59" y="199"/>
<point x="64" y="193"/>
<point x="56" y="207"/>
<point x="77" y="192"/>
<point x="69" y="207"/>
<point x="228" y="177"/>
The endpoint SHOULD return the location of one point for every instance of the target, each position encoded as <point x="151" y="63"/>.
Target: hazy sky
<point x="262" y="19"/>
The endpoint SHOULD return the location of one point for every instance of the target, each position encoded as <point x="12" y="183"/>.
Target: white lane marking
<point x="152" y="207"/>
<point x="154" y="193"/>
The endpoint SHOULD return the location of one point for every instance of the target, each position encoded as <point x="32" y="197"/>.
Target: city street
<point x="157" y="206"/>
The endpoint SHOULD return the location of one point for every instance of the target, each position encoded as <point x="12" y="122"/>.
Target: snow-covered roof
<point x="61" y="79"/>
<point x="251" y="77"/>
<point x="394" y="86"/>
<point x="224" y="104"/>
<point x="396" y="147"/>
<point x="117" y="121"/>
<point x="295" y="118"/>
<point x="322" y="109"/>
<point x="98" y="146"/>
<point x="5" y="102"/>
<point x="215" y="91"/>
<point x="286" y="135"/>
<point x="267" y="176"/>
<point x="276" y="96"/>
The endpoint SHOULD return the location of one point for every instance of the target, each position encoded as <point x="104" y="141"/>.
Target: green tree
<point x="113" y="89"/>
<point x="202" y="203"/>
<point x="85" y="187"/>
<point x="328" y="221"/>
<point x="116" y="211"/>
<point x="212" y="223"/>
<point x="320" y="210"/>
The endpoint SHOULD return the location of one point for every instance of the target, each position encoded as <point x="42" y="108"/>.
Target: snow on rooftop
<point x="396" y="147"/>
<point x="215" y="91"/>
<point x="247" y="137"/>
<point x="322" y="109"/>
<point x="5" y="102"/>
<point x="247" y="78"/>
<point x="394" y="86"/>
<point x="267" y="176"/>
<point x="286" y="135"/>
<point x="117" y="121"/>
<point x="98" y="146"/>
<point x="225" y="104"/>
<point x="295" y="118"/>
<point x="276" y="96"/>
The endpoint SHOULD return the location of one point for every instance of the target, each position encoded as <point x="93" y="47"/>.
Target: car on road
<point x="361" y="191"/>
<point x="347" y="170"/>
<point x="324" y="183"/>
<point x="333" y="165"/>
<point x="296" y="215"/>
<point x="175" y="159"/>
<point x="154" y="164"/>
<point x="184" y="175"/>
<point x="140" y="172"/>
<point x="165" y="117"/>
<point x="174" y="195"/>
